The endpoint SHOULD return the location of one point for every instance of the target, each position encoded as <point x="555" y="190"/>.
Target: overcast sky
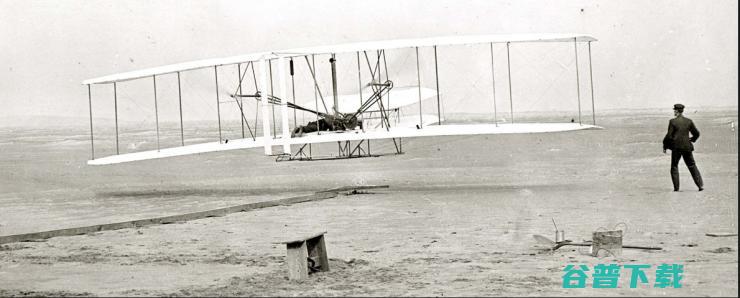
<point x="649" y="53"/>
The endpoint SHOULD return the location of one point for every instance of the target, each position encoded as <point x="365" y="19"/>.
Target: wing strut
<point x="115" y="110"/>
<point x="508" y="67"/>
<point x="578" y="80"/>
<point x="493" y="79"/>
<point x="156" y="108"/>
<point x="292" y="83"/>
<point x="436" y="77"/>
<point x="179" y="100"/>
<point x="89" y="99"/>
<point x="591" y="74"/>
<point x="218" y="104"/>
<point x="418" y="82"/>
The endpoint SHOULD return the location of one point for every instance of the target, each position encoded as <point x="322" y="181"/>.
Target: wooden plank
<point x="297" y="261"/>
<point x="317" y="250"/>
<point x="167" y="219"/>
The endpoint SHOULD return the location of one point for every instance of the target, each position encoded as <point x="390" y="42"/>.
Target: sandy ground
<point x="457" y="220"/>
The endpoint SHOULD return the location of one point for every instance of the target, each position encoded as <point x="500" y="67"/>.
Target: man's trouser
<point x="688" y="158"/>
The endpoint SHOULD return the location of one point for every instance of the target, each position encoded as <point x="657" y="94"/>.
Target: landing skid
<point x="345" y="150"/>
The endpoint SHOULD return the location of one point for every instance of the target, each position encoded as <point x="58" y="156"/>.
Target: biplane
<point x="372" y="112"/>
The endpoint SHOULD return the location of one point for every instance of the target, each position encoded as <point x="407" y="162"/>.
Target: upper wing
<point x="173" y="68"/>
<point x="342" y="48"/>
<point x="437" y="41"/>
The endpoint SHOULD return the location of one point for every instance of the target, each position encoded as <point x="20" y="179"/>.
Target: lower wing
<point x="349" y="135"/>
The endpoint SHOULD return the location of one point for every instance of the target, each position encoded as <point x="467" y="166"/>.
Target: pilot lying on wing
<point x="328" y="123"/>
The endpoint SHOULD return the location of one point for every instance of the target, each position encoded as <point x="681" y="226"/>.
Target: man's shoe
<point x="675" y="189"/>
<point x="701" y="188"/>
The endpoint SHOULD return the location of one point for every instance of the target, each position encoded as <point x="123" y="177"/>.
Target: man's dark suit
<point x="678" y="141"/>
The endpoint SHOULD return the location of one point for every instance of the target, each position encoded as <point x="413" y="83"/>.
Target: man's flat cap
<point x="678" y="107"/>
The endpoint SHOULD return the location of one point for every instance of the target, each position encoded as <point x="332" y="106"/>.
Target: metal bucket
<point x="559" y="236"/>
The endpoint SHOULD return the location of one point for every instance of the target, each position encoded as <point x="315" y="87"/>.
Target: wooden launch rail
<point x="322" y="195"/>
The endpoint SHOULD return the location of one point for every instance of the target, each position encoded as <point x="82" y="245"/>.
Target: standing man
<point x="677" y="139"/>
